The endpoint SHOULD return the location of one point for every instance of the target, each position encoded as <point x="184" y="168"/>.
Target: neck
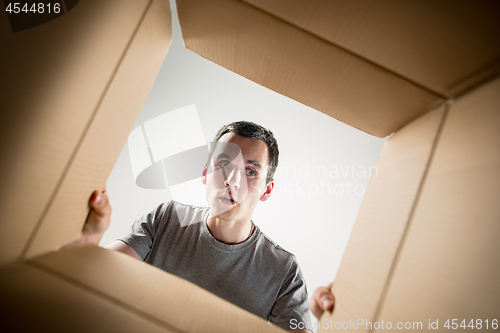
<point x="229" y="232"/>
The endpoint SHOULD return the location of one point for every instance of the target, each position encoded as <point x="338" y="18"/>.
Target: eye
<point x="250" y="172"/>
<point x="223" y="164"/>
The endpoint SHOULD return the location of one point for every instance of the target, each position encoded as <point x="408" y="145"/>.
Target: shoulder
<point x="271" y="245"/>
<point x="186" y="212"/>
<point x="275" y="252"/>
<point x="174" y="210"/>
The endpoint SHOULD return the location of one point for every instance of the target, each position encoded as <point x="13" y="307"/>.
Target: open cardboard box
<point x="425" y="244"/>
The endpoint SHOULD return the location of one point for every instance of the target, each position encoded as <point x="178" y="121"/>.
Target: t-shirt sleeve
<point x="291" y="309"/>
<point x="141" y="234"/>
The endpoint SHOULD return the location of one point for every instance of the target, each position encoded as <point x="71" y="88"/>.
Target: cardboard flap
<point x="447" y="46"/>
<point x="383" y="219"/>
<point x="65" y="84"/>
<point x="36" y="300"/>
<point x="149" y="290"/>
<point x="108" y="129"/>
<point x="449" y="265"/>
<point x="300" y="65"/>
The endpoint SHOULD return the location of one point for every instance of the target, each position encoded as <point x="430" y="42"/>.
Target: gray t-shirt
<point x="256" y="275"/>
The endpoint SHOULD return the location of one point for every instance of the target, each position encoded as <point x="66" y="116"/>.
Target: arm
<point x="123" y="247"/>
<point x="321" y="301"/>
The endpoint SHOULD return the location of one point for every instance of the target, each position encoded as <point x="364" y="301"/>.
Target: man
<point x="219" y="248"/>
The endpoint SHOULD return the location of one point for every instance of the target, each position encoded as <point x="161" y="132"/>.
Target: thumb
<point x="326" y="304"/>
<point x="328" y="301"/>
<point x="100" y="203"/>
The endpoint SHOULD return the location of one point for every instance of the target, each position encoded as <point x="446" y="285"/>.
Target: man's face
<point x="236" y="177"/>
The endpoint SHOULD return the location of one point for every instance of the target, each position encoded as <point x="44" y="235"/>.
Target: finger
<point x="324" y="298"/>
<point x="315" y="308"/>
<point x="100" y="203"/>
<point x="326" y="302"/>
<point x="95" y="198"/>
<point x="321" y="301"/>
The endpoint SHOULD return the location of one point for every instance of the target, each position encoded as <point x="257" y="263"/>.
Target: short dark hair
<point x="251" y="130"/>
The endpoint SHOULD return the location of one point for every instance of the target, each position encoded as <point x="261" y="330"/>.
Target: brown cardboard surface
<point x="34" y="300"/>
<point x="424" y="245"/>
<point x="53" y="79"/>
<point x="448" y="266"/>
<point x="165" y="297"/>
<point x="382" y="220"/>
<point x="302" y="66"/>
<point x="117" y="111"/>
<point x="447" y="46"/>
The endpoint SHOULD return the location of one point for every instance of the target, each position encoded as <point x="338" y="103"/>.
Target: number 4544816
<point x="477" y="324"/>
<point x="35" y="8"/>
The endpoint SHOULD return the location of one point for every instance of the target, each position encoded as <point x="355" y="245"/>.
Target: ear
<point x="204" y="175"/>
<point x="267" y="193"/>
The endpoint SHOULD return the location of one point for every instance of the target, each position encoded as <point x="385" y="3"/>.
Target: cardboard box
<point x="423" y="249"/>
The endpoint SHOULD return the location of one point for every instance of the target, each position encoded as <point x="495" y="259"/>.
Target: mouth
<point x="227" y="199"/>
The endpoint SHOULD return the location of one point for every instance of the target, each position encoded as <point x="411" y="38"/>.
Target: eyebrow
<point x="254" y="163"/>
<point x="222" y="155"/>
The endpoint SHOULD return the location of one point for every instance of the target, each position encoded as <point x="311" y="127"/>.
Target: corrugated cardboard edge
<point x="382" y="220"/>
<point x="92" y="161"/>
<point x="302" y="66"/>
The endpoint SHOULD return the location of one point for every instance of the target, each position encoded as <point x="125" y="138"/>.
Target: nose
<point x="233" y="179"/>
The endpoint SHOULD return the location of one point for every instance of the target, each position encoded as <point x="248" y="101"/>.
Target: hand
<point x="321" y="301"/>
<point x="98" y="219"/>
